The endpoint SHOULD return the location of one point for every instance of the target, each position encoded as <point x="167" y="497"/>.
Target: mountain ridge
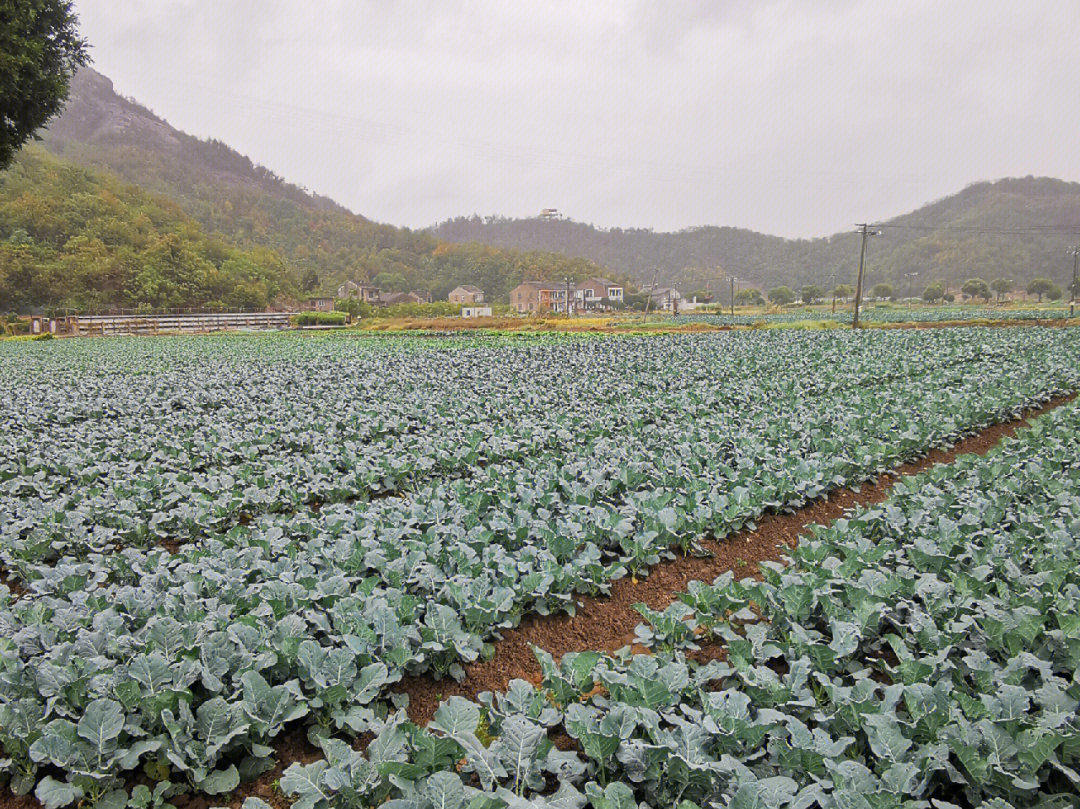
<point x="316" y="243"/>
<point x="949" y="239"/>
<point x="97" y="114"/>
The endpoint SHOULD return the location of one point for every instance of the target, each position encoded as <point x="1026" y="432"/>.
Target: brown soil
<point x="12" y="583"/>
<point x="607" y="624"/>
<point x="956" y="324"/>
<point x="294" y="747"/>
<point x="406" y="326"/>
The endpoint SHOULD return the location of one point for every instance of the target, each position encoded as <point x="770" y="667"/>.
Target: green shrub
<point x="319" y="319"/>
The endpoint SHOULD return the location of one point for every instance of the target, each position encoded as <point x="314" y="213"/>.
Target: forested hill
<point x="121" y="179"/>
<point x="943" y="240"/>
<point x="75" y="238"/>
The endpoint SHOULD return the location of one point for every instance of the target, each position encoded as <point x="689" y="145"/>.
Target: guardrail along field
<point x="209" y="543"/>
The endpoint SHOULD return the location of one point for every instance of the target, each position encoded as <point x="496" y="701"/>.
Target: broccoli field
<point x="207" y="543"/>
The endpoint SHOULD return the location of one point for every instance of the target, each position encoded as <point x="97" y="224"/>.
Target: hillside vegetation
<point x="940" y="241"/>
<point x="74" y="229"/>
<point x="74" y="238"/>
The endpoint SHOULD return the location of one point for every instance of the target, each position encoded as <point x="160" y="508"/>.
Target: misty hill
<point x="937" y="241"/>
<point x="230" y="200"/>
<point x="99" y="127"/>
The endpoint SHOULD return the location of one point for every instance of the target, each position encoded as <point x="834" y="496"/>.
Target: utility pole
<point x="567" y="301"/>
<point x="1075" y="250"/>
<point x="648" y="300"/>
<point x="733" y="280"/>
<point x="864" y="229"/>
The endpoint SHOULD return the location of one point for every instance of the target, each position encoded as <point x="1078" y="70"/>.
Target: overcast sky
<point x="794" y="118"/>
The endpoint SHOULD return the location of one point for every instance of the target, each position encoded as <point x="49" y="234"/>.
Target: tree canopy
<point x="976" y="288"/>
<point x="40" y="49"/>
<point x="781" y="295"/>
<point x="934" y="292"/>
<point x="1040" y="287"/>
<point x="1002" y="286"/>
<point x="75" y="239"/>
<point x="749" y="297"/>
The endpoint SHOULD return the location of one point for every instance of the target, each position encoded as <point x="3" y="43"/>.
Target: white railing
<point x="154" y="324"/>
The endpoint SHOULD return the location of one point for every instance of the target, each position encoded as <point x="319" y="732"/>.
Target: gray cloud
<point x="794" y="118"/>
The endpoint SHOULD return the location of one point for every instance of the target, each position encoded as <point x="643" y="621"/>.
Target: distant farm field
<point x="211" y="544"/>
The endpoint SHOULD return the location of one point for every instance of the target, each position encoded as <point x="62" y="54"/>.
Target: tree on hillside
<point x="934" y="292"/>
<point x="391" y="282"/>
<point x="88" y="242"/>
<point x="749" y="297"/>
<point x="781" y="295"/>
<point x="811" y="292"/>
<point x="310" y="282"/>
<point x="1055" y="293"/>
<point x="40" y="49"/>
<point x="976" y="288"/>
<point x="1002" y="286"/>
<point x="1040" y="287"/>
<point x="882" y="291"/>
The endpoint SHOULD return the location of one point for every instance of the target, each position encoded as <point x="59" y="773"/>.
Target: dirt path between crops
<point x="607" y="623"/>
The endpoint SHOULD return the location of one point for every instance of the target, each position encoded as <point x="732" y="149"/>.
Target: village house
<point x="466" y="293"/>
<point x="538" y="296"/>
<point x="666" y="299"/>
<point x="597" y="293"/>
<point x="320" y="304"/>
<point x="351" y="289"/>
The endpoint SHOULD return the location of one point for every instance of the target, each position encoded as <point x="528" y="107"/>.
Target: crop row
<point x="921" y="652"/>
<point x="220" y="445"/>
<point x="884" y="314"/>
